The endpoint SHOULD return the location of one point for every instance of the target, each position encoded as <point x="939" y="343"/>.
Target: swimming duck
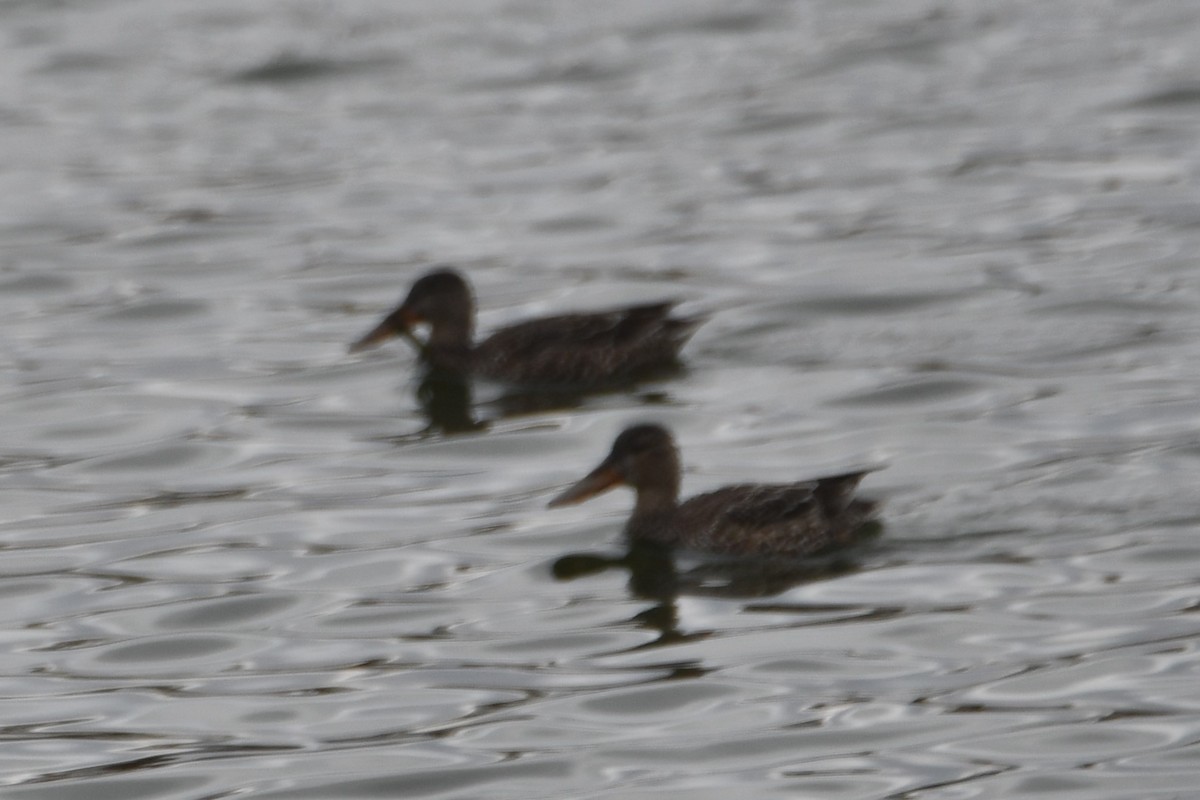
<point x="787" y="519"/>
<point x="574" y="350"/>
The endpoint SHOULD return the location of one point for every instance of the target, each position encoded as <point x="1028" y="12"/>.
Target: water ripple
<point x="956" y="240"/>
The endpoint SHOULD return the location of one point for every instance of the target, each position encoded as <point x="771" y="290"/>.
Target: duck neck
<point x="452" y="331"/>
<point x="656" y="500"/>
<point x="652" y="513"/>
<point x="450" y="340"/>
<point x="657" y="485"/>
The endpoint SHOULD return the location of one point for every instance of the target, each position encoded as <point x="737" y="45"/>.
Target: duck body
<point x="791" y="520"/>
<point x="584" y="349"/>
<point x="568" y="350"/>
<point x="787" y="519"/>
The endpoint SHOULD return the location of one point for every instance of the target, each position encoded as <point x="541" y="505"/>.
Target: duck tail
<point x="835" y="493"/>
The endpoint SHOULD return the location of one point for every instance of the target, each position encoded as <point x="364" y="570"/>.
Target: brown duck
<point x="572" y="350"/>
<point x="786" y="519"/>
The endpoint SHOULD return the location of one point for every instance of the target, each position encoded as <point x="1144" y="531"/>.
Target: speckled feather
<point x="790" y="519"/>
<point x="584" y="349"/>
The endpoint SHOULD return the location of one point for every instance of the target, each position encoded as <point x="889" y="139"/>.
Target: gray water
<point x="960" y="238"/>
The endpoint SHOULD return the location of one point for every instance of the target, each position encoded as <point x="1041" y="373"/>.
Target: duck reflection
<point x="652" y="576"/>
<point x="655" y="575"/>
<point x="448" y="402"/>
<point x="445" y="398"/>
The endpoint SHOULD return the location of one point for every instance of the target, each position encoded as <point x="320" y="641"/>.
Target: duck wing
<point x="791" y="519"/>
<point x="748" y="519"/>
<point x="585" y="348"/>
<point x="764" y="505"/>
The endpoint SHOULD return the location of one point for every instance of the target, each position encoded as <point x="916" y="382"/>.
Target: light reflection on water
<point x="956" y="239"/>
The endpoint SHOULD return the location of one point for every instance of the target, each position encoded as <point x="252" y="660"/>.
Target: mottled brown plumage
<point x="573" y="350"/>
<point x="788" y="519"/>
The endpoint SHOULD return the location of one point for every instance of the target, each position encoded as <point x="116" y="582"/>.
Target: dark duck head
<point x="443" y="301"/>
<point x="643" y="457"/>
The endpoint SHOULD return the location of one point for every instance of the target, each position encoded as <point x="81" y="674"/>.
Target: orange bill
<point x="601" y="479"/>
<point x="399" y="323"/>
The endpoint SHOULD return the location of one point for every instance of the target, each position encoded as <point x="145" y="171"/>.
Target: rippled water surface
<point x="958" y="237"/>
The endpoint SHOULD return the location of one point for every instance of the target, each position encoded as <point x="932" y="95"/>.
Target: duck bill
<point x="399" y="323"/>
<point x="599" y="480"/>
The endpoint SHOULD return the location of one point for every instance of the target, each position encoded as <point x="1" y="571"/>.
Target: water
<point x="958" y="237"/>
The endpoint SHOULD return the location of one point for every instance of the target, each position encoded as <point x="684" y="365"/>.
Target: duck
<point x="791" y="520"/>
<point x="577" y="350"/>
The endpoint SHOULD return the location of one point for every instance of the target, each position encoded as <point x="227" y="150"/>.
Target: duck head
<point x="643" y="457"/>
<point x="440" y="299"/>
